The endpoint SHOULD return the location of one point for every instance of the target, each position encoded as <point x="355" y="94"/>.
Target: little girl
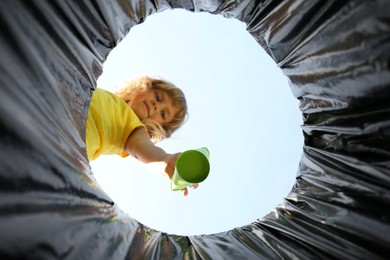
<point x="129" y="122"/>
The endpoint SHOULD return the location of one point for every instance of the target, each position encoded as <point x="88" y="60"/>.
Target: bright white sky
<point x="240" y="107"/>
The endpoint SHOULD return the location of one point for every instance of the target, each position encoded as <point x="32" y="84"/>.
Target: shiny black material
<point x="336" y="56"/>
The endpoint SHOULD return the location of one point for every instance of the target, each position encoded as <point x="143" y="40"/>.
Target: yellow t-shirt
<point x="110" y="121"/>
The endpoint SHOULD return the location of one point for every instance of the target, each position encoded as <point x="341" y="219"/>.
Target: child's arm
<point x="142" y="148"/>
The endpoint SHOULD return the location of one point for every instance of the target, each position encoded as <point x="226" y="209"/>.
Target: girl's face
<point x="154" y="104"/>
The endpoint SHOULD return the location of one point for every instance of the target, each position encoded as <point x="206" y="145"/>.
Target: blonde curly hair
<point x="156" y="131"/>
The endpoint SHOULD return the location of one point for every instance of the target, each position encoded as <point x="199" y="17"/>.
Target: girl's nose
<point x="155" y="105"/>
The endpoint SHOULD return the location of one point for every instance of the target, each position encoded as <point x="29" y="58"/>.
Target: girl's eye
<point x="157" y="96"/>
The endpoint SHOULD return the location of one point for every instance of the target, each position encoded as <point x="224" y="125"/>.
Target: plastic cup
<point x="192" y="167"/>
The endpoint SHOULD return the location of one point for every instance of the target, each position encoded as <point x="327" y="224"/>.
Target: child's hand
<point x="141" y="147"/>
<point x="170" y="164"/>
<point x="169" y="169"/>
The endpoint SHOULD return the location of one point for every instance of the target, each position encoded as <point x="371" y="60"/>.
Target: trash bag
<point x="335" y="55"/>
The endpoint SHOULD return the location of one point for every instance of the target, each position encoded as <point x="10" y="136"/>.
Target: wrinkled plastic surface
<point x="336" y="56"/>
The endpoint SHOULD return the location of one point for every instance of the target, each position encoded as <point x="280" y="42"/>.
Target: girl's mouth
<point x="147" y="108"/>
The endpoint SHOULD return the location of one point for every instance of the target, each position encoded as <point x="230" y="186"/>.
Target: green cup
<point x="192" y="167"/>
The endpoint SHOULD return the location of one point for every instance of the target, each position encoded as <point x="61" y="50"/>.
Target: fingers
<point x="184" y="192"/>
<point x="169" y="172"/>
<point x="194" y="186"/>
<point x="171" y="164"/>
